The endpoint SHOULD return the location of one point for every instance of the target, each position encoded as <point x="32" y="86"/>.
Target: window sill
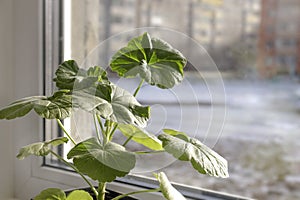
<point x="130" y="184"/>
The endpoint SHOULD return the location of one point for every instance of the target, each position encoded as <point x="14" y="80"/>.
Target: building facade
<point x="248" y="36"/>
<point x="279" y="38"/>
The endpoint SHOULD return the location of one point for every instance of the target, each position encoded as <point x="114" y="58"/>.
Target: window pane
<point x="249" y="47"/>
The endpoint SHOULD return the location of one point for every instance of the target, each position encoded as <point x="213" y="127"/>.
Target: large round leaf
<point x="58" y="106"/>
<point x="102" y="162"/>
<point x="203" y="159"/>
<point x="153" y="59"/>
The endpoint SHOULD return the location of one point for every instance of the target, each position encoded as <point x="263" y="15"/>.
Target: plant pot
<point x="109" y="194"/>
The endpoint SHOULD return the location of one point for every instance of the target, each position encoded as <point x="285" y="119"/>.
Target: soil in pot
<point x="109" y="194"/>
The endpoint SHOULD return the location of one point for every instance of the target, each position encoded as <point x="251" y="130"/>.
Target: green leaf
<point x="19" y="108"/>
<point x="79" y="195"/>
<point x="69" y="75"/>
<point x="141" y="136"/>
<point x="40" y="148"/>
<point x="169" y="192"/>
<point x="58" y="194"/>
<point x="202" y="158"/>
<point x="177" y="134"/>
<point x="126" y="109"/>
<point x="57" y="141"/>
<point x="153" y="59"/>
<point x="117" y="105"/>
<point x="102" y="163"/>
<point x="58" y="106"/>
<point x="98" y="72"/>
<point x="51" y="194"/>
<point x="92" y="103"/>
<point x="37" y="149"/>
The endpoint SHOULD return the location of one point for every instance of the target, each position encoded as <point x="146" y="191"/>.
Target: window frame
<point x="33" y="175"/>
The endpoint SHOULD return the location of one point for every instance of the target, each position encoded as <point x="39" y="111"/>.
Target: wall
<point x="26" y="63"/>
<point x="6" y="95"/>
<point x="20" y="70"/>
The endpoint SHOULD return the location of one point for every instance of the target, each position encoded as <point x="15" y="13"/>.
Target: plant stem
<point x="113" y="131"/>
<point x="73" y="167"/>
<point x="96" y="127"/>
<point x="137" y="192"/>
<point x="65" y="131"/>
<point x="128" y="139"/>
<point x="106" y="133"/>
<point x="100" y="123"/>
<point x="108" y="127"/>
<point x="138" y="88"/>
<point x="149" y="152"/>
<point x="101" y="191"/>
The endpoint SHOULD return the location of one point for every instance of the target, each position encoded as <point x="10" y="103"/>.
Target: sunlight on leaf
<point x="141" y="136"/>
<point x="153" y="59"/>
<point x="102" y="163"/>
<point x="202" y="158"/>
<point x="79" y="195"/>
<point x="51" y="194"/>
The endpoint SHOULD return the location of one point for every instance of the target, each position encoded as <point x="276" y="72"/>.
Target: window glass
<point x="241" y="94"/>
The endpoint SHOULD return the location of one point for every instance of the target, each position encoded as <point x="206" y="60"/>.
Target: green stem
<point x="137" y="192"/>
<point x="73" y="167"/>
<point x="113" y="131"/>
<point x="138" y="88"/>
<point x="108" y="128"/>
<point x="149" y="152"/>
<point x="65" y="131"/>
<point x="104" y="131"/>
<point x="101" y="191"/>
<point x="128" y="139"/>
<point x="100" y="123"/>
<point x="106" y="134"/>
<point x="96" y="127"/>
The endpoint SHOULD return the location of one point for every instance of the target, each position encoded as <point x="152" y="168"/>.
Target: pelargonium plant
<point x="113" y="108"/>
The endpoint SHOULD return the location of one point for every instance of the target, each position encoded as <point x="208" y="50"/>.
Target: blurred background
<point x="250" y="38"/>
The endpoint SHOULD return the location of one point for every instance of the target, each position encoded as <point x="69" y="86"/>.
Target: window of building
<point x="253" y="124"/>
<point x="270" y="45"/>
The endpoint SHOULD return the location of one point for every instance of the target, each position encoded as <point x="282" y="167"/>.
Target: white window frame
<point x="30" y="175"/>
